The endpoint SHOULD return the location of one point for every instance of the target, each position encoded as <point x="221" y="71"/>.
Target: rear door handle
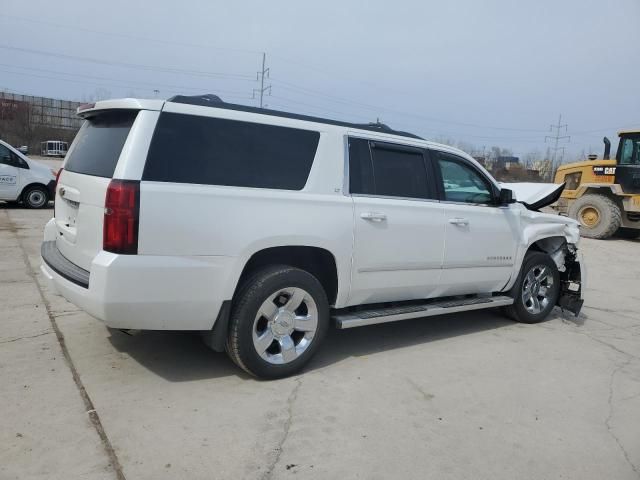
<point x="459" y="221"/>
<point x="373" y="216"/>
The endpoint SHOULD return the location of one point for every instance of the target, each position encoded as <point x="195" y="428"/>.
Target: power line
<point x="76" y="27"/>
<point x="175" y="88"/>
<point x="287" y="103"/>
<point x="556" y="138"/>
<point x="260" y="76"/>
<point x="378" y="108"/>
<point x="200" y="73"/>
<point x="109" y="85"/>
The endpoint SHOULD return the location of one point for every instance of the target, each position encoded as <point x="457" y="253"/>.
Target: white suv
<point x="259" y="227"/>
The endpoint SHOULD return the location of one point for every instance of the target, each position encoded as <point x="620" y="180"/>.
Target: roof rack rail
<point x="215" y="101"/>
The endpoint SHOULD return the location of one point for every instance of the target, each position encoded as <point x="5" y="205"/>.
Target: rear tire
<point x="278" y="320"/>
<point x="35" y="197"/>
<point x="598" y="215"/>
<point x="536" y="290"/>
<point x="629" y="233"/>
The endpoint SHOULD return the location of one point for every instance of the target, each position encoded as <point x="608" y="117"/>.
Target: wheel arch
<point x="318" y="261"/>
<point x="26" y="188"/>
<point x="608" y="191"/>
<point x="553" y="244"/>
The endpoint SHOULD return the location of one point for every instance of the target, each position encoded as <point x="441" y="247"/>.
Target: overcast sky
<point x="494" y="72"/>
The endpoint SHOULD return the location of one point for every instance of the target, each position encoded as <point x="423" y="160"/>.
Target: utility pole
<point x="260" y="76"/>
<point x="556" y="139"/>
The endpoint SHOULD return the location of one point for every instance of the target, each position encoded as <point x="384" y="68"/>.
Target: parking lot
<point x="462" y="396"/>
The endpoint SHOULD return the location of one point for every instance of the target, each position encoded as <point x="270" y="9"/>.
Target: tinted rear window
<point x="99" y="143"/>
<point x="400" y="173"/>
<point x="214" y="151"/>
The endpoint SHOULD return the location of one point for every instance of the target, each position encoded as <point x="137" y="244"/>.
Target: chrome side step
<point x="426" y="309"/>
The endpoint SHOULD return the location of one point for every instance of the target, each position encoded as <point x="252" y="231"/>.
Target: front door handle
<point x="373" y="216"/>
<point x="463" y="222"/>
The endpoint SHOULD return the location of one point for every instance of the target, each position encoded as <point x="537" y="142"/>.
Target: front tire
<point x="35" y="197"/>
<point x="599" y="216"/>
<point x="278" y="320"/>
<point x="536" y="290"/>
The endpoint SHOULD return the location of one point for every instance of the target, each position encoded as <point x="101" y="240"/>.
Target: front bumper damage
<point x="572" y="282"/>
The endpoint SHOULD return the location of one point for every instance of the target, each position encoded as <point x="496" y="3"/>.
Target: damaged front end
<point x="558" y="237"/>
<point x="572" y="277"/>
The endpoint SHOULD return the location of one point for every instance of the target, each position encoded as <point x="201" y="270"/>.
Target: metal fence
<point x="42" y="111"/>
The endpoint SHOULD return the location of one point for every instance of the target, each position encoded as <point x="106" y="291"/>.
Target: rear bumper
<point x="146" y="292"/>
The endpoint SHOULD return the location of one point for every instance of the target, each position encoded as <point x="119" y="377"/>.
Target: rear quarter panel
<point x="208" y="220"/>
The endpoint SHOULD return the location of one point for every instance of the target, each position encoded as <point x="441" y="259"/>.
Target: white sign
<point x="7" y="179"/>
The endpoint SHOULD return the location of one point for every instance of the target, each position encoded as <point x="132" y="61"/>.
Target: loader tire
<point x="599" y="216"/>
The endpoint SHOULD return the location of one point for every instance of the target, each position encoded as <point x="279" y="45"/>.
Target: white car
<point x="23" y="179"/>
<point x="259" y="228"/>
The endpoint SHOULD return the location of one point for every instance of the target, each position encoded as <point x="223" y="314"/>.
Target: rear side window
<point x="99" y="143"/>
<point x="360" y="168"/>
<point x="400" y="173"/>
<point x="214" y="151"/>
<point x="389" y="170"/>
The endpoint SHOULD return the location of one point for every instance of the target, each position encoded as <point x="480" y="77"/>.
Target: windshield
<point x="630" y="150"/>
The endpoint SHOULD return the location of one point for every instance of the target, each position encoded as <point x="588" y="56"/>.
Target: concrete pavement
<point x="462" y="396"/>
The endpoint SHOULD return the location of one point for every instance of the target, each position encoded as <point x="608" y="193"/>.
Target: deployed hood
<point x="534" y="196"/>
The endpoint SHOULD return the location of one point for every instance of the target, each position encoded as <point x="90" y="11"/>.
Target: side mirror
<point x="506" y="196"/>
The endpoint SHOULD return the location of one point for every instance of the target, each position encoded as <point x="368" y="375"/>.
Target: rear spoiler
<point x="88" y="109"/>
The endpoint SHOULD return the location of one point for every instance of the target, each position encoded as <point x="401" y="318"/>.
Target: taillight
<point x="58" y="178"/>
<point x="121" y="214"/>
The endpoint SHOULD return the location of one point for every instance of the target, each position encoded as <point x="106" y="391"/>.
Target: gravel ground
<point x="467" y="396"/>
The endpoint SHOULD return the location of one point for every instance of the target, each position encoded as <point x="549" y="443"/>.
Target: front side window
<point x="573" y="180"/>
<point x="630" y="151"/>
<point x="5" y="155"/>
<point x="461" y="182"/>
<point x="217" y="151"/>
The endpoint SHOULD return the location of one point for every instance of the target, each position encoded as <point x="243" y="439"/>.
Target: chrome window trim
<point x="345" y="183"/>
<point x="390" y="197"/>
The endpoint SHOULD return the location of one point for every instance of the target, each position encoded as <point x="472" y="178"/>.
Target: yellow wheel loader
<point x="604" y="194"/>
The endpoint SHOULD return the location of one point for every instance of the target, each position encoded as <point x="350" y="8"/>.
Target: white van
<point x="24" y="180"/>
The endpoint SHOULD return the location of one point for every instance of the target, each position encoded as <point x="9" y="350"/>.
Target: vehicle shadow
<point x="180" y="356"/>
<point x="17" y="206"/>
<point x="357" y="342"/>
<point x="175" y="356"/>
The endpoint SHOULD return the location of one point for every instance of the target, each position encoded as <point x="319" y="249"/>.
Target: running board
<point x="427" y="309"/>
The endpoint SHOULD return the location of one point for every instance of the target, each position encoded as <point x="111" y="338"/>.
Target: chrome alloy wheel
<point x="285" y="325"/>
<point x="536" y="288"/>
